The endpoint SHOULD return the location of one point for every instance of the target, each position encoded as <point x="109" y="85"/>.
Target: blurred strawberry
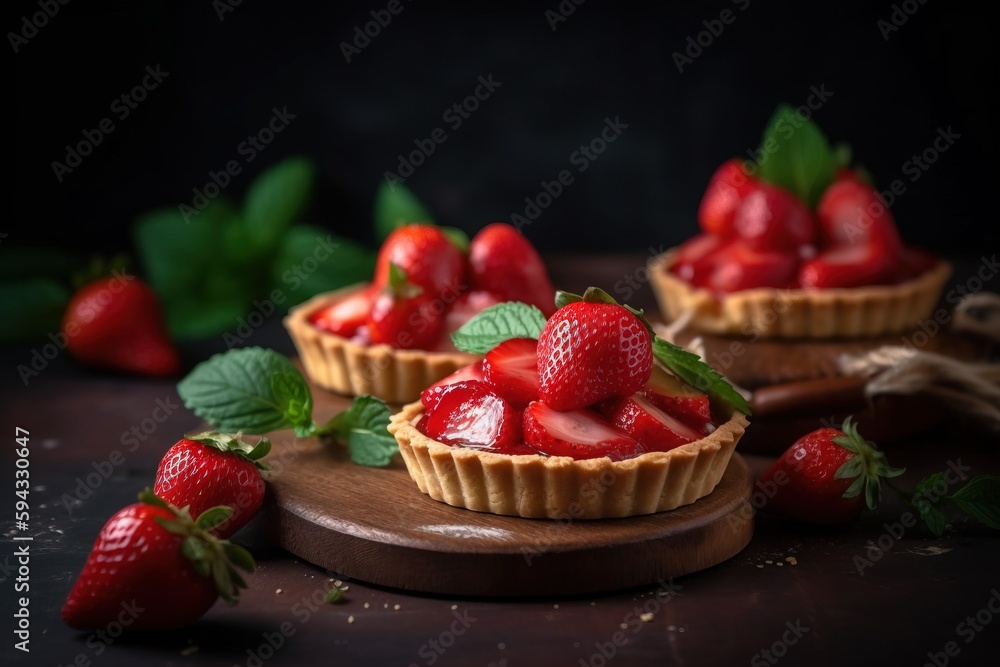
<point x="726" y="190"/>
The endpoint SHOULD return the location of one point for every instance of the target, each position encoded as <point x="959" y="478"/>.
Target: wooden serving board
<point x="374" y="525"/>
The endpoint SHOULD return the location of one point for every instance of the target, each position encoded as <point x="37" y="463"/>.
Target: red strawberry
<point x="678" y="398"/>
<point x="504" y="262"/>
<point x="774" y="219"/>
<point x="430" y="396"/>
<point x="654" y="428"/>
<point x="580" y="434"/>
<point x="428" y="258"/>
<point x="726" y="190"/>
<point x="820" y="478"/>
<point x="405" y="316"/>
<point x="468" y="306"/>
<point x="116" y="323"/>
<point x="853" y="213"/>
<point x="695" y="258"/>
<point x="157" y="567"/>
<point x="471" y="414"/>
<point x="212" y="469"/>
<point x="511" y="368"/>
<point x="592" y="350"/>
<point x="737" y="266"/>
<point x="346" y="316"/>
<point x="847" y="266"/>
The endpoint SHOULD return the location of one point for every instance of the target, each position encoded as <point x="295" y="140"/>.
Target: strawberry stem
<point x="867" y="467"/>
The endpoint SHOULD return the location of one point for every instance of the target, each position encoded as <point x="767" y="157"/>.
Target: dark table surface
<point x="872" y="592"/>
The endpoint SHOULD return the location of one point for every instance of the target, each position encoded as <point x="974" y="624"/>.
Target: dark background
<point x="607" y="59"/>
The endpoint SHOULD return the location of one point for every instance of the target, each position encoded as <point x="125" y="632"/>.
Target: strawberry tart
<point x="391" y="338"/>
<point x="797" y="245"/>
<point x="580" y="418"/>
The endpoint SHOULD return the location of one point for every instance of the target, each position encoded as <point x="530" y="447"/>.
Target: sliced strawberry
<point x="771" y="218"/>
<point x="726" y="190"/>
<point x="853" y="213"/>
<point x="654" y="428"/>
<point x="579" y="434"/>
<point x="678" y="398"/>
<point x="511" y="368"/>
<point x="471" y="414"/>
<point x="504" y="262"/>
<point x="430" y="396"/>
<point x="345" y="316"/>
<point x="847" y="266"/>
<point x="694" y="260"/>
<point x="737" y="267"/>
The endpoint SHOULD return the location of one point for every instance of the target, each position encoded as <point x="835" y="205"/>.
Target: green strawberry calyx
<point x="229" y="442"/>
<point x="867" y="467"/>
<point x="210" y="556"/>
<point x="400" y="287"/>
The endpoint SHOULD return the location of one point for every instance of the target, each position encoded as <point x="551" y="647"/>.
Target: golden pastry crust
<point x="800" y="313"/>
<point x="559" y="487"/>
<point x="341" y="365"/>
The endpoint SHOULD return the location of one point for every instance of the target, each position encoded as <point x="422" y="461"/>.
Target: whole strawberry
<point x="827" y="477"/>
<point x="431" y="261"/>
<point x="116" y="323"/>
<point x="212" y="469"/>
<point x="505" y="263"/>
<point x="154" y="567"/>
<point x="592" y="349"/>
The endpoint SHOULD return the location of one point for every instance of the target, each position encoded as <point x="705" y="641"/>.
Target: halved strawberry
<point x="511" y="368"/>
<point x="771" y="218"/>
<point x="430" y="396"/>
<point x="345" y="316"/>
<point x="654" y="428"/>
<point x="726" y="190"/>
<point x="471" y="414"/>
<point x="678" y="398"/>
<point x="694" y="259"/>
<point x="580" y="434"/>
<point x="737" y="267"/>
<point x="847" y="266"/>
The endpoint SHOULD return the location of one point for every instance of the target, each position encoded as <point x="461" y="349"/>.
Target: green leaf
<point x="234" y="391"/>
<point x="213" y="516"/>
<point x="395" y="206"/>
<point x="275" y="199"/>
<point x="980" y="498"/>
<point x="293" y="396"/>
<point x="334" y="596"/>
<point x="458" y="238"/>
<point x="496" y="324"/>
<point x="310" y="260"/>
<point x="31" y="309"/>
<point x="364" y="428"/>
<point x="690" y="368"/>
<point x="239" y="556"/>
<point x="796" y="156"/>
<point x="932" y="516"/>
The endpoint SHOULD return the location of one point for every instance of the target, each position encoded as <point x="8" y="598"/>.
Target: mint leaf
<point x="364" y="428"/>
<point x="690" y="368"/>
<point x="980" y="498"/>
<point x="275" y="199"/>
<point x="235" y="391"/>
<point x="458" y="238"/>
<point x="311" y="260"/>
<point x="31" y="309"/>
<point x="796" y="156"/>
<point x="395" y="206"/>
<point x="293" y="396"/>
<point x="496" y="324"/>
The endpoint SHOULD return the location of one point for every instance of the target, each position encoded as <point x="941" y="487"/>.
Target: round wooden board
<point x="374" y="525"/>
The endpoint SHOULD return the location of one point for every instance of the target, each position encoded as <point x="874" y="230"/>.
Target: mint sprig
<point x="978" y="499"/>
<point x="795" y="155"/>
<point x="496" y="324"/>
<point x="256" y="390"/>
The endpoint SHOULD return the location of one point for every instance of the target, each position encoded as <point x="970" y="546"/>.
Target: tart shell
<point x="559" y="487"/>
<point x="800" y="313"/>
<point x="343" y="366"/>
